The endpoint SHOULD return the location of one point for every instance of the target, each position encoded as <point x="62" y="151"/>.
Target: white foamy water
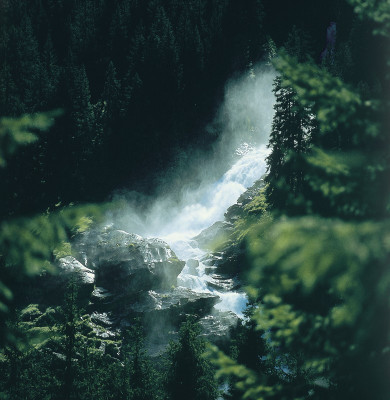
<point x="245" y="116"/>
<point x="191" y="219"/>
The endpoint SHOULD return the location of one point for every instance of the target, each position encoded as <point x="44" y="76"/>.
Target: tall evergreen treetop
<point x="190" y="375"/>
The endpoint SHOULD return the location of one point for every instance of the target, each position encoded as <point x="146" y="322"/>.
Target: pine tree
<point x="325" y="282"/>
<point x="141" y="381"/>
<point x="71" y="315"/>
<point x="9" y="99"/>
<point x="292" y="129"/>
<point x="248" y="347"/>
<point x="190" y="375"/>
<point x="85" y="134"/>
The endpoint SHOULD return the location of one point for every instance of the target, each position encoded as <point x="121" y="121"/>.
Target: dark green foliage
<point x="26" y="66"/>
<point x="190" y="375"/>
<point x="293" y="129"/>
<point x="111" y="96"/>
<point x="64" y="359"/>
<point x="137" y="80"/>
<point x="350" y="136"/>
<point x="323" y="278"/>
<point x="16" y="132"/>
<point x="326" y="306"/>
<point x="140" y="380"/>
<point x="27" y="244"/>
<point x="248" y="348"/>
<point x="71" y="316"/>
<point x="61" y="358"/>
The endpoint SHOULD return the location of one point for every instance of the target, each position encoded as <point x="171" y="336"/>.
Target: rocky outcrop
<point x="69" y="266"/>
<point x="216" y="326"/>
<point x="214" y="235"/>
<point x="137" y="277"/>
<point x="128" y="264"/>
<point x="51" y="288"/>
<point x="177" y="301"/>
<point x="230" y="257"/>
<point x="129" y="277"/>
<point x="236" y="211"/>
<point x="222" y="282"/>
<point x="162" y="313"/>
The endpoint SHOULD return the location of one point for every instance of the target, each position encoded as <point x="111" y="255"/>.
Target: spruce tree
<point x="325" y="282"/>
<point x="141" y="379"/>
<point x="71" y="315"/>
<point x="292" y="129"/>
<point x="190" y="375"/>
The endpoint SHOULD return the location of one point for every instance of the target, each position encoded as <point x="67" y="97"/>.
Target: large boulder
<point x="51" y="288"/>
<point x="68" y="266"/>
<point x="222" y="282"/>
<point x="177" y="301"/>
<point x="162" y="312"/>
<point x="127" y="263"/>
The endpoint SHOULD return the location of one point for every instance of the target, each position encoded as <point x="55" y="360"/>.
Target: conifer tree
<point x="86" y="132"/>
<point x="190" y="375"/>
<point x="325" y="282"/>
<point x="248" y="347"/>
<point x="293" y="129"/>
<point x="9" y="100"/>
<point x="71" y="315"/>
<point x="141" y="381"/>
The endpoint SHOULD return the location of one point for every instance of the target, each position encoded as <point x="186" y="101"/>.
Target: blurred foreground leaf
<point x="16" y="132"/>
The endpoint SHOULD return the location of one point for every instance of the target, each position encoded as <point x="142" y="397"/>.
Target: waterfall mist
<point x="218" y="176"/>
<point x="183" y="208"/>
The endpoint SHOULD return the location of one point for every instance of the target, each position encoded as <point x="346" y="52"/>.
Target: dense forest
<point x="98" y="96"/>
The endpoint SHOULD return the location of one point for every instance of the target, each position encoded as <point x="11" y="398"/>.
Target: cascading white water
<point x="190" y="220"/>
<point x="180" y="215"/>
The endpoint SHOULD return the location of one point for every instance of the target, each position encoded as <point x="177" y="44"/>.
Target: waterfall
<point x="181" y="213"/>
<point x="192" y="218"/>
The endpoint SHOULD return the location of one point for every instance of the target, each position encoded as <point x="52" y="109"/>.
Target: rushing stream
<point x="193" y="218"/>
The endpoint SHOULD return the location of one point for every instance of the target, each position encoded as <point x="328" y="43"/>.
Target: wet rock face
<point x="237" y="210"/>
<point x="53" y="287"/>
<point x="127" y="263"/>
<point x="162" y="312"/>
<point x="216" y="326"/>
<point x="177" y="301"/>
<point x="69" y="265"/>
<point x="216" y="233"/>
<point x="129" y="277"/>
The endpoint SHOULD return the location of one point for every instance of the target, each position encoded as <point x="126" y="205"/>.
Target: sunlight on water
<point x="193" y="218"/>
<point x="233" y="301"/>
<point x="217" y="198"/>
